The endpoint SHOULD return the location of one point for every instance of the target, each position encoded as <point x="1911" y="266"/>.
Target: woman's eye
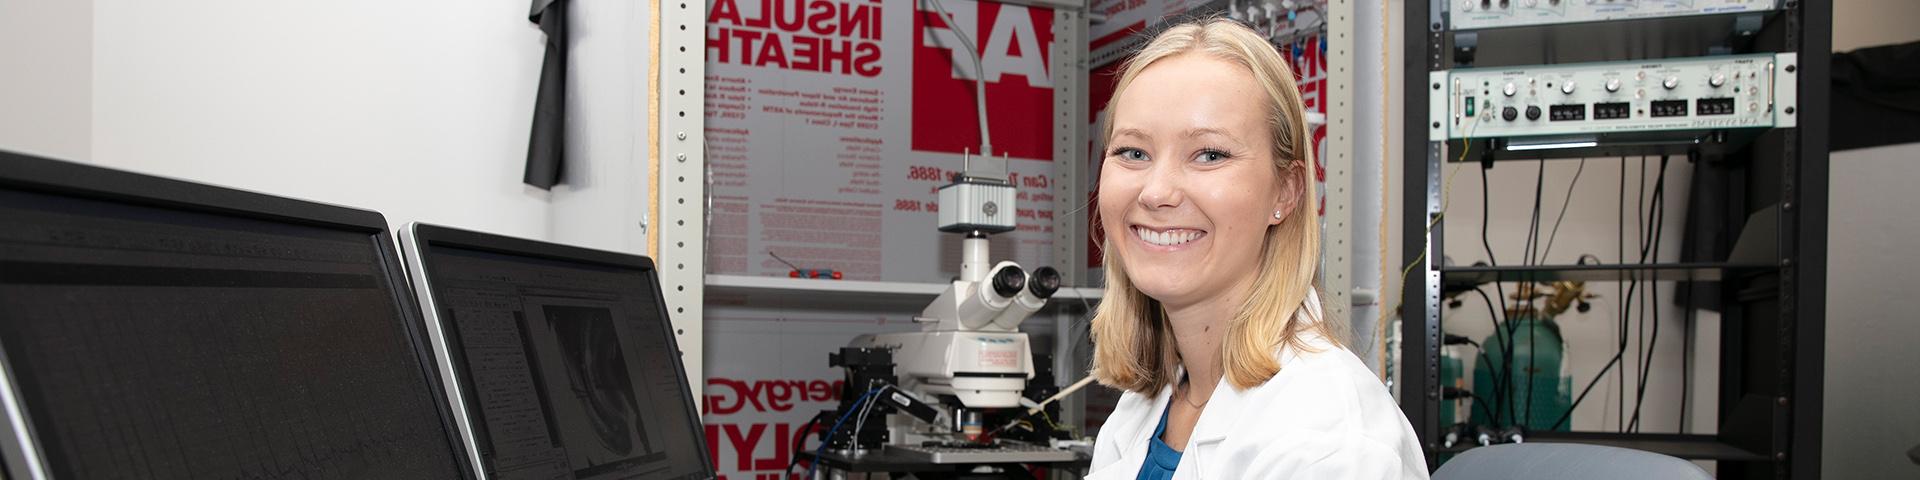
<point x="1132" y="154"/>
<point x="1211" y="156"/>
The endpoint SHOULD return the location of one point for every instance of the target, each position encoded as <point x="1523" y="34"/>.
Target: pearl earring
<point x="1278" y="215"/>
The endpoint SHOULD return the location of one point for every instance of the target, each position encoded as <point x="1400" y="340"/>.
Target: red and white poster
<point x="830" y="125"/>
<point x="1309" y="56"/>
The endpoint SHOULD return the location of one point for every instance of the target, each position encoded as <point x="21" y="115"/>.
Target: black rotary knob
<point x="1509" y="113"/>
<point x="1533" y="112"/>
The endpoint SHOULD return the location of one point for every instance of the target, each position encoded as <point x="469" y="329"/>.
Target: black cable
<point x="1533" y="222"/>
<point x="1620" y="306"/>
<point x="800" y="447"/>
<point x="1485" y="219"/>
<point x="1486" y="361"/>
<point x="1653" y="229"/>
<point x="1500" y="291"/>
<point x="1533" y="241"/>
<point x="1656" y="227"/>
<point x="1686" y="356"/>
<point x="1686" y="333"/>
<point x="1476" y="400"/>
<point x="1640" y="334"/>
<point x="1451" y="339"/>
<point x="1479" y="403"/>
<point x="1659" y="217"/>
<point x="1563" y="210"/>
<point x="1618" y="354"/>
<point x="1620" y="303"/>
<point x="1501" y="390"/>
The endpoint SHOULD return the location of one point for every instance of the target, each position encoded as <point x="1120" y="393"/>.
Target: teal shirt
<point x="1162" y="459"/>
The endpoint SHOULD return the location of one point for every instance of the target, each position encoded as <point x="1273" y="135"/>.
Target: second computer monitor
<point x="560" y="359"/>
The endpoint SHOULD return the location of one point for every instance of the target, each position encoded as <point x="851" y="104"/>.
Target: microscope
<point x="969" y="359"/>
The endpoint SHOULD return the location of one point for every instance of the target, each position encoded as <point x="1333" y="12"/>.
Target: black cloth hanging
<point x="547" y="149"/>
<point x="1876" y="96"/>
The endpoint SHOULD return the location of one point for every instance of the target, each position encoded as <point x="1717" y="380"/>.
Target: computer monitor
<point x="560" y="361"/>
<point x="156" y="328"/>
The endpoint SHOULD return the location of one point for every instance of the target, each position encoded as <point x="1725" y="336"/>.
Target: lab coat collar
<point x="1223" y="408"/>
<point x="1135" y="429"/>
<point x="1215" y="421"/>
<point x="1222" y="414"/>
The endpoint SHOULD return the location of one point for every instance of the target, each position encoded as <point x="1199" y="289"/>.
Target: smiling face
<point x="1190" y="185"/>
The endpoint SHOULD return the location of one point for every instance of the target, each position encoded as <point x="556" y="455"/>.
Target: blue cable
<point x="822" y="451"/>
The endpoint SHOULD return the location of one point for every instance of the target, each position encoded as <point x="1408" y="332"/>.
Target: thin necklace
<point x="1186" y="391"/>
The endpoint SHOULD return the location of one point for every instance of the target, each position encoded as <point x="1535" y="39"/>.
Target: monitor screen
<point x="566" y="364"/>
<point x="155" y="339"/>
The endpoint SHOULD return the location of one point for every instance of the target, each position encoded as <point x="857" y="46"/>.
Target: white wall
<point x="45" y="90"/>
<point x="604" y="199"/>
<point x="1870" y="421"/>
<point x="420" y="110"/>
<point x="1867" y="23"/>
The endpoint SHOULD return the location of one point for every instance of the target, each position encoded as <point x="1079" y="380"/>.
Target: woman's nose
<point x="1163" y="187"/>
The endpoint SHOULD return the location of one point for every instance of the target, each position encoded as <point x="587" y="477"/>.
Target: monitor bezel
<point x="416" y="238"/>
<point x="28" y="173"/>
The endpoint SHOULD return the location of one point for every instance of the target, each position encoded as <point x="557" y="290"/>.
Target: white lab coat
<point x="1323" y="416"/>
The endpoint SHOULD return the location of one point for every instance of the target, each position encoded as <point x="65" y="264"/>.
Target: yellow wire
<point x="1446" y="202"/>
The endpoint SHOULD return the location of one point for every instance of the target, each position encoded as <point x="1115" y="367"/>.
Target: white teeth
<point x="1171" y="238"/>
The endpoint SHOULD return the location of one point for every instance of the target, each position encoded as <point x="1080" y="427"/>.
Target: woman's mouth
<point x="1168" y="237"/>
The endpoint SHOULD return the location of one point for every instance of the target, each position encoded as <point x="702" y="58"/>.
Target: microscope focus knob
<point x="1007" y="282"/>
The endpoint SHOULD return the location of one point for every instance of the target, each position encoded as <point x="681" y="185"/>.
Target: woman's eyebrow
<point x="1132" y="132"/>
<point x="1200" y="132"/>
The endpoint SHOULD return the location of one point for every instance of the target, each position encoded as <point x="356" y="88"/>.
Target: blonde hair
<point x="1133" y="341"/>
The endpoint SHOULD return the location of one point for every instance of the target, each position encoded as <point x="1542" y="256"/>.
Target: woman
<point x="1211" y="324"/>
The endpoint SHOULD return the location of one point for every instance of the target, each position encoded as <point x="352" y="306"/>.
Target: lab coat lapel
<point x="1219" y="418"/>
<point x="1134" y="428"/>
<point x="1227" y="409"/>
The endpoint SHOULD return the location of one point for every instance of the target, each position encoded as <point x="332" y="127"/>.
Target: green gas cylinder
<point x="1540" y="388"/>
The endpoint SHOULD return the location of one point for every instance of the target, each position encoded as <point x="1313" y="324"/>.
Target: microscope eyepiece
<point x="1043" y="282"/>
<point x="1008" y="281"/>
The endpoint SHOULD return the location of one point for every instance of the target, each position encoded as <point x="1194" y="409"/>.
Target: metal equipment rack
<point x="1773" y="322"/>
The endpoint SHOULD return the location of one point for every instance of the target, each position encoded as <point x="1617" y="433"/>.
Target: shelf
<point x="888" y="295"/>
<point x="1676" y="143"/>
<point x="1616" y="40"/>
<point x="1659" y="272"/>
<point x="1690" y="447"/>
